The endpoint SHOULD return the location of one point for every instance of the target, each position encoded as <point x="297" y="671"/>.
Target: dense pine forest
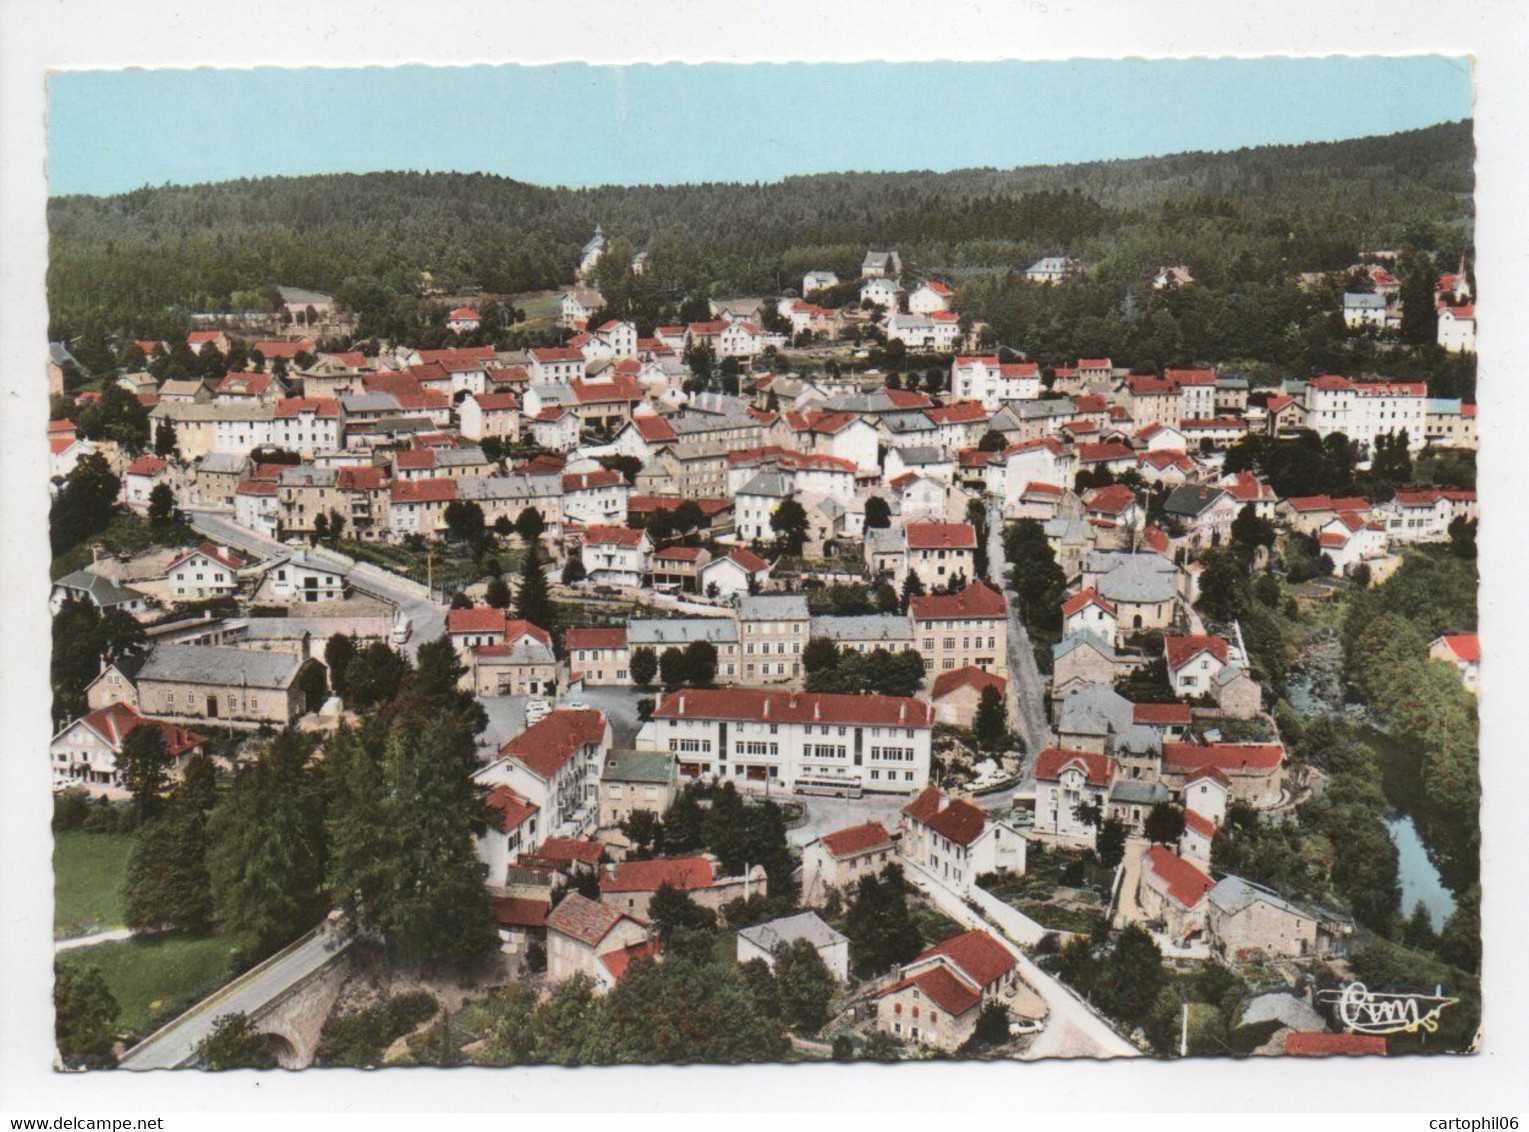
<point x="1245" y="222"/>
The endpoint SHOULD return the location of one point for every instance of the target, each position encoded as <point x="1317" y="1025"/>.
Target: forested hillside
<point x="1245" y="220"/>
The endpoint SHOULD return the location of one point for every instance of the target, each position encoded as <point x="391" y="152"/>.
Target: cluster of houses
<point x="1380" y="307"/>
<point x="672" y="498"/>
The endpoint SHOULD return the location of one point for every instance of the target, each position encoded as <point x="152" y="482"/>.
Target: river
<point x="1420" y="880"/>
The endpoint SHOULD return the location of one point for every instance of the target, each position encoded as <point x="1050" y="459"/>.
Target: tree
<point x="313" y="686"/>
<point x="805" y="986"/>
<point x="991" y="725"/>
<point x="234" y="1043"/>
<point x="645" y="831"/>
<point x="530" y="525"/>
<point x="532" y="601"/>
<point x="402" y="814"/>
<point x="1460" y="941"/>
<point x="820" y="655"/>
<point x="1420" y="317"/>
<point x="1223" y="588"/>
<point x="144" y="764"/>
<point x="117" y="417"/>
<point x="167" y="882"/>
<point x="671" y="908"/>
<point x="85" y="1014"/>
<point x="789" y="522"/>
<point x="339" y="653"/>
<point x="374" y="675"/>
<point x="913" y="586"/>
<point x="992" y="441"/>
<point x="1164" y="824"/>
<point x="266" y="856"/>
<point x="84" y="504"/>
<point x="1110" y="842"/>
<point x="573" y="570"/>
<point x="672" y="668"/>
<point x="644" y="666"/>
<point x="992" y="1029"/>
<point x="878" y="512"/>
<point x="464" y="521"/>
<point x="165" y="441"/>
<point x="1130" y="977"/>
<point x="880" y="925"/>
<point x="700" y="663"/>
<point x="684" y="823"/>
<point x="497" y="595"/>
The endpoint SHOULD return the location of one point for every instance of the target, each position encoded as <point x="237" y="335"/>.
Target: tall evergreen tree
<point x="532" y="600"/>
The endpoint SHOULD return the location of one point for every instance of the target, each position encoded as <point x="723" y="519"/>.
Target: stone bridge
<point x="287" y="997"/>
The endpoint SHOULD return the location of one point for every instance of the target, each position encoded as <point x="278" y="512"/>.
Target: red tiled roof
<point x="933" y="536"/>
<point x="600" y="535"/>
<point x="115" y="722"/>
<point x="761" y="704"/>
<point x="591" y="481"/>
<point x="907" y="399"/>
<point x="979" y="956"/>
<point x="496" y="402"/>
<point x="556" y="354"/>
<point x="655" y="430"/>
<point x="1083" y="600"/>
<point x="518" y="912"/>
<point x="585" y="920"/>
<point x="1319" y="1043"/>
<point x="620" y="961"/>
<point x="146" y="465"/>
<point x="1181" y="650"/>
<point x="362" y="477"/>
<point x="958" y="821"/>
<point x="251" y="383"/>
<point x="619" y="388"/>
<point x="1111" y="500"/>
<point x="1186" y="884"/>
<point x="510" y="806"/>
<point x="198" y="336"/>
<point x="577" y="638"/>
<point x="256" y="487"/>
<point x="1104" y="452"/>
<point x="1466" y="646"/>
<point x="962" y="412"/>
<point x="478" y="619"/>
<point x="289" y="407"/>
<point x="747" y="559"/>
<point x="1198" y="822"/>
<point x="947" y="682"/>
<point x="546" y="746"/>
<point x="414" y="459"/>
<point x="1161" y="715"/>
<point x="225" y="556"/>
<point x="942" y="988"/>
<point x="1223" y="756"/>
<point x="978" y="600"/>
<point x="680" y="553"/>
<point x="683" y="873"/>
<point x="1332" y="539"/>
<point x="275" y="349"/>
<point x="857" y="839"/>
<point x="565" y="850"/>
<point x="1050" y="763"/>
<point x="463" y="313"/>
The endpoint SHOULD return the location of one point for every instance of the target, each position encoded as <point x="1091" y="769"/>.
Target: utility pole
<point x="430" y="572"/>
<point x="1184" y="1032"/>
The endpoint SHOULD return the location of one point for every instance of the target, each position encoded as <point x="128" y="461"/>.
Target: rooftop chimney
<point x="902" y="713"/>
<point x="682" y="703"/>
<point x="817" y="710"/>
<point x="767" y="707"/>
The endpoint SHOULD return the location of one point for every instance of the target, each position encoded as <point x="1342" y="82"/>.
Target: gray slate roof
<point x="103" y="591"/>
<point x="639" y="766"/>
<point x="788" y="929"/>
<point x="871" y="627"/>
<point x="773" y="607"/>
<point x="1138" y="578"/>
<point x="207" y="664"/>
<point x="1097" y="709"/>
<point x="658" y="634"/>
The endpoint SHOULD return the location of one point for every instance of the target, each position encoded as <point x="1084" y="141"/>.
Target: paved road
<point x="79" y="941"/>
<point x="174" y="1044"/>
<point x="1072" y="1028"/>
<point x="1027" y="688"/>
<point x="426" y="618"/>
<point x="825" y="814"/>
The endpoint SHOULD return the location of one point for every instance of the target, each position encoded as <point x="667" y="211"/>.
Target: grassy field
<point x="154" y="979"/>
<point x="125" y="534"/>
<point x="88" y="873"/>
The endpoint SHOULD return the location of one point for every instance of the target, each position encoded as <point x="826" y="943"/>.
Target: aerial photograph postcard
<point x="890" y="562"/>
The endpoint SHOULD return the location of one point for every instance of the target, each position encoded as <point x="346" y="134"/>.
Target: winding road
<point x="427" y="619"/>
<point x="1027" y="688"/>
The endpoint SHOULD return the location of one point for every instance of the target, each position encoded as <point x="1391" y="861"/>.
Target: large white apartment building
<point x="760" y="738"/>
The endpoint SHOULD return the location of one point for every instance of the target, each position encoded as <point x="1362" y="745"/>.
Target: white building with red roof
<point x="761" y="738"/>
<point x="956" y="695"/>
<point x="739" y="571"/>
<point x="966" y="628"/>
<point x="937" y="997"/>
<point x="631" y="885"/>
<point x="986" y="379"/>
<point x="1065" y="780"/>
<point x="513" y="830"/>
<point x="208" y="571"/>
<point x="940" y="552"/>
<point x="141" y="477"/>
<point x="956" y="842"/>
<point x="839" y="859"/>
<point x="555" y="764"/>
<point x="1457" y="327"/>
<point x="1087" y="612"/>
<point x="1195" y="661"/>
<point x="482" y="415"/>
<point x="1463" y="650"/>
<point x="930" y="296"/>
<point x="84" y="754"/>
<point x="1044" y="460"/>
<point x="555" y="364"/>
<point x="462" y="320"/>
<point x="1254" y="771"/>
<point x="616" y="556"/>
<point x="595" y="497"/>
<point x="1416" y="514"/>
<point x="1172" y="891"/>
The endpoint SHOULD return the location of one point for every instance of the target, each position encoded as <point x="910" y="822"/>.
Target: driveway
<point x="826" y="814"/>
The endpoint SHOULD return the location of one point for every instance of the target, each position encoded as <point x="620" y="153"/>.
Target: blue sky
<point x="571" y="124"/>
